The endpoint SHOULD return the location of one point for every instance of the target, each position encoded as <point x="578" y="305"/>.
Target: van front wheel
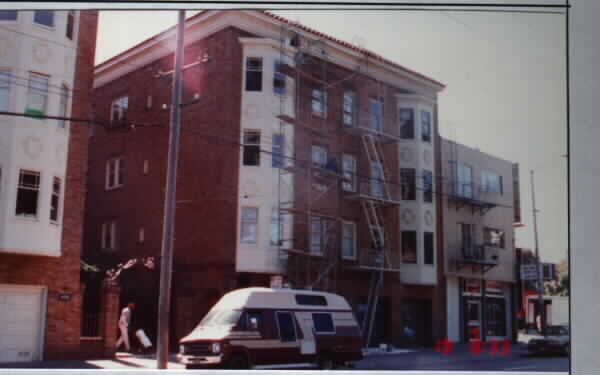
<point x="238" y="362"/>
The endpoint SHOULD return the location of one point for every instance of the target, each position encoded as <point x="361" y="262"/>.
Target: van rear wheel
<point x="326" y="363"/>
<point x="238" y="362"/>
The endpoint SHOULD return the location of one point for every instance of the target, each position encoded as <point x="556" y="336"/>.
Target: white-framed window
<point x="64" y="103"/>
<point x="319" y="102"/>
<point x="348" y="240"/>
<point x="37" y="94"/>
<point x="406" y="117"/>
<point x="349" y="109"/>
<point x="427" y="186"/>
<point x="277" y="154"/>
<point x="44" y="17"/>
<point x="349" y="172"/>
<point x="426" y="126"/>
<point x="276" y="227"/>
<point x="408" y="187"/>
<point x="4" y="89"/>
<point x="109" y="235"/>
<point x="428" y="248"/>
<point x="70" y="24"/>
<point x="28" y="192"/>
<point x="118" y="109"/>
<point x="464" y="181"/>
<point x="278" y="79"/>
<point x="8" y="15"/>
<point x="55" y="200"/>
<point x="254" y="70"/>
<point x="251" y="154"/>
<point x="491" y="182"/>
<point x="249" y="225"/>
<point x="319" y="156"/>
<point x="376" y="114"/>
<point x="317" y="235"/>
<point x="115" y="172"/>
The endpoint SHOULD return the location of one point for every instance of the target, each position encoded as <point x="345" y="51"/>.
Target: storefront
<point x="485" y="316"/>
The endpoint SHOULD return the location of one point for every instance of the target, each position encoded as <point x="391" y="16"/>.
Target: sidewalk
<point x="121" y="361"/>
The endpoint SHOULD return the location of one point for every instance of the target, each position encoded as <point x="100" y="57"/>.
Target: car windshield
<point x="557" y="331"/>
<point x="220" y="318"/>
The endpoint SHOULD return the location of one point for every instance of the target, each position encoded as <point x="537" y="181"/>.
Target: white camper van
<point x="274" y="328"/>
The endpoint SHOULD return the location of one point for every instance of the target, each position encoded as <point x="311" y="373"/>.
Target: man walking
<point x="124" y="322"/>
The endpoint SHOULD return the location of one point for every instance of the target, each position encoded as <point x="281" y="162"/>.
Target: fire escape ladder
<point x="374" y="154"/>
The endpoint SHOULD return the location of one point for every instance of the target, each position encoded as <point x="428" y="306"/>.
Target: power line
<point x="117" y="126"/>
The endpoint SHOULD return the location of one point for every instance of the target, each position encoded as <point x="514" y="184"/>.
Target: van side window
<point x="287" y="329"/>
<point x="311" y="300"/>
<point x="323" y="323"/>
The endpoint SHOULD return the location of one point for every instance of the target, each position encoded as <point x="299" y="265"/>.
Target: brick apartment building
<point x="301" y="156"/>
<point x="46" y="69"/>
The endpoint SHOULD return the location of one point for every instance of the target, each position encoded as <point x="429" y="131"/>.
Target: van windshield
<point x="220" y="318"/>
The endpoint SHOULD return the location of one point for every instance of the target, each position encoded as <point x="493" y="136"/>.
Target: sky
<point x="505" y="77"/>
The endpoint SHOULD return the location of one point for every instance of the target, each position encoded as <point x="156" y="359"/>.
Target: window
<point x="493" y="237"/>
<point x="55" y="199"/>
<point x="37" y="95"/>
<point x="4" y="89"/>
<point x="468" y="245"/>
<point x="376" y="112"/>
<point x="109" y="235"/>
<point x="287" y="328"/>
<point x="115" y="171"/>
<point x="464" y="181"/>
<point x="27" y="193"/>
<point x="64" y="100"/>
<point x="277" y="156"/>
<point x="426" y="126"/>
<point x="428" y="248"/>
<point x="427" y="186"/>
<point x="491" y="182"/>
<point x="319" y="102"/>
<point x="377" y="180"/>
<point x="317" y="235"/>
<point x="278" y="79"/>
<point x="276" y="227"/>
<point x="349" y="108"/>
<point x="70" y="24"/>
<point x="319" y="156"/>
<point x="248" y="317"/>
<point x="407" y="184"/>
<point x="8" y="15"/>
<point x="118" y="109"/>
<point x="349" y="172"/>
<point x="44" y="17"/>
<point x="254" y="74"/>
<point x="409" y="247"/>
<point x="407" y="123"/>
<point x="310" y="300"/>
<point x="348" y="240"/>
<point x="251" y="148"/>
<point x="323" y="323"/>
<point x="249" y="225"/>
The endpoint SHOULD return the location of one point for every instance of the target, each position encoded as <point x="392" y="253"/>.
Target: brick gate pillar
<point x="109" y="316"/>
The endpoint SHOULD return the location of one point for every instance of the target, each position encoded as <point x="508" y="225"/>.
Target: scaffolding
<point x="312" y="257"/>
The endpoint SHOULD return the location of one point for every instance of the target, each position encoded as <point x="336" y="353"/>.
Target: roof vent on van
<point x="311" y="300"/>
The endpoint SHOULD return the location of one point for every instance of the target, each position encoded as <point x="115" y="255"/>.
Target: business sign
<point x="529" y="271"/>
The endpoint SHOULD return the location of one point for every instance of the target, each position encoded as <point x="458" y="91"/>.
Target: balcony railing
<point x="477" y="196"/>
<point x="376" y="259"/>
<point x="373" y="189"/>
<point x="476" y="255"/>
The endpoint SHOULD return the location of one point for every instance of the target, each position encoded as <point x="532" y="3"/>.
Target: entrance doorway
<point x="473" y="319"/>
<point x="416" y="317"/>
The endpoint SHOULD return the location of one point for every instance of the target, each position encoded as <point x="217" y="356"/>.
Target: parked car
<point x="265" y="328"/>
<point x="556" y="340"/>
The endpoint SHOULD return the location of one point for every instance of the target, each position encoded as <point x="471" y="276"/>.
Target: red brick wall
<point x="61" y="275"/>
<point x="207" y="178"/>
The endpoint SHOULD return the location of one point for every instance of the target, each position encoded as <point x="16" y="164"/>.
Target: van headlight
<point x="182" y="349"/>
<point x="215" y="347"/>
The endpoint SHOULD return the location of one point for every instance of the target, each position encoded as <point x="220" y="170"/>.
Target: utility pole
<point x="166" y="265"/>
<point x="540" y="280"/>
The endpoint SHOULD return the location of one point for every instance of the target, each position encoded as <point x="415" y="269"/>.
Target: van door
<point x="290" y="346"/>
<point x="308" y="344"/>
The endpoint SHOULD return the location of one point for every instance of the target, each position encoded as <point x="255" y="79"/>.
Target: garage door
<point x="21" y="317"/>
